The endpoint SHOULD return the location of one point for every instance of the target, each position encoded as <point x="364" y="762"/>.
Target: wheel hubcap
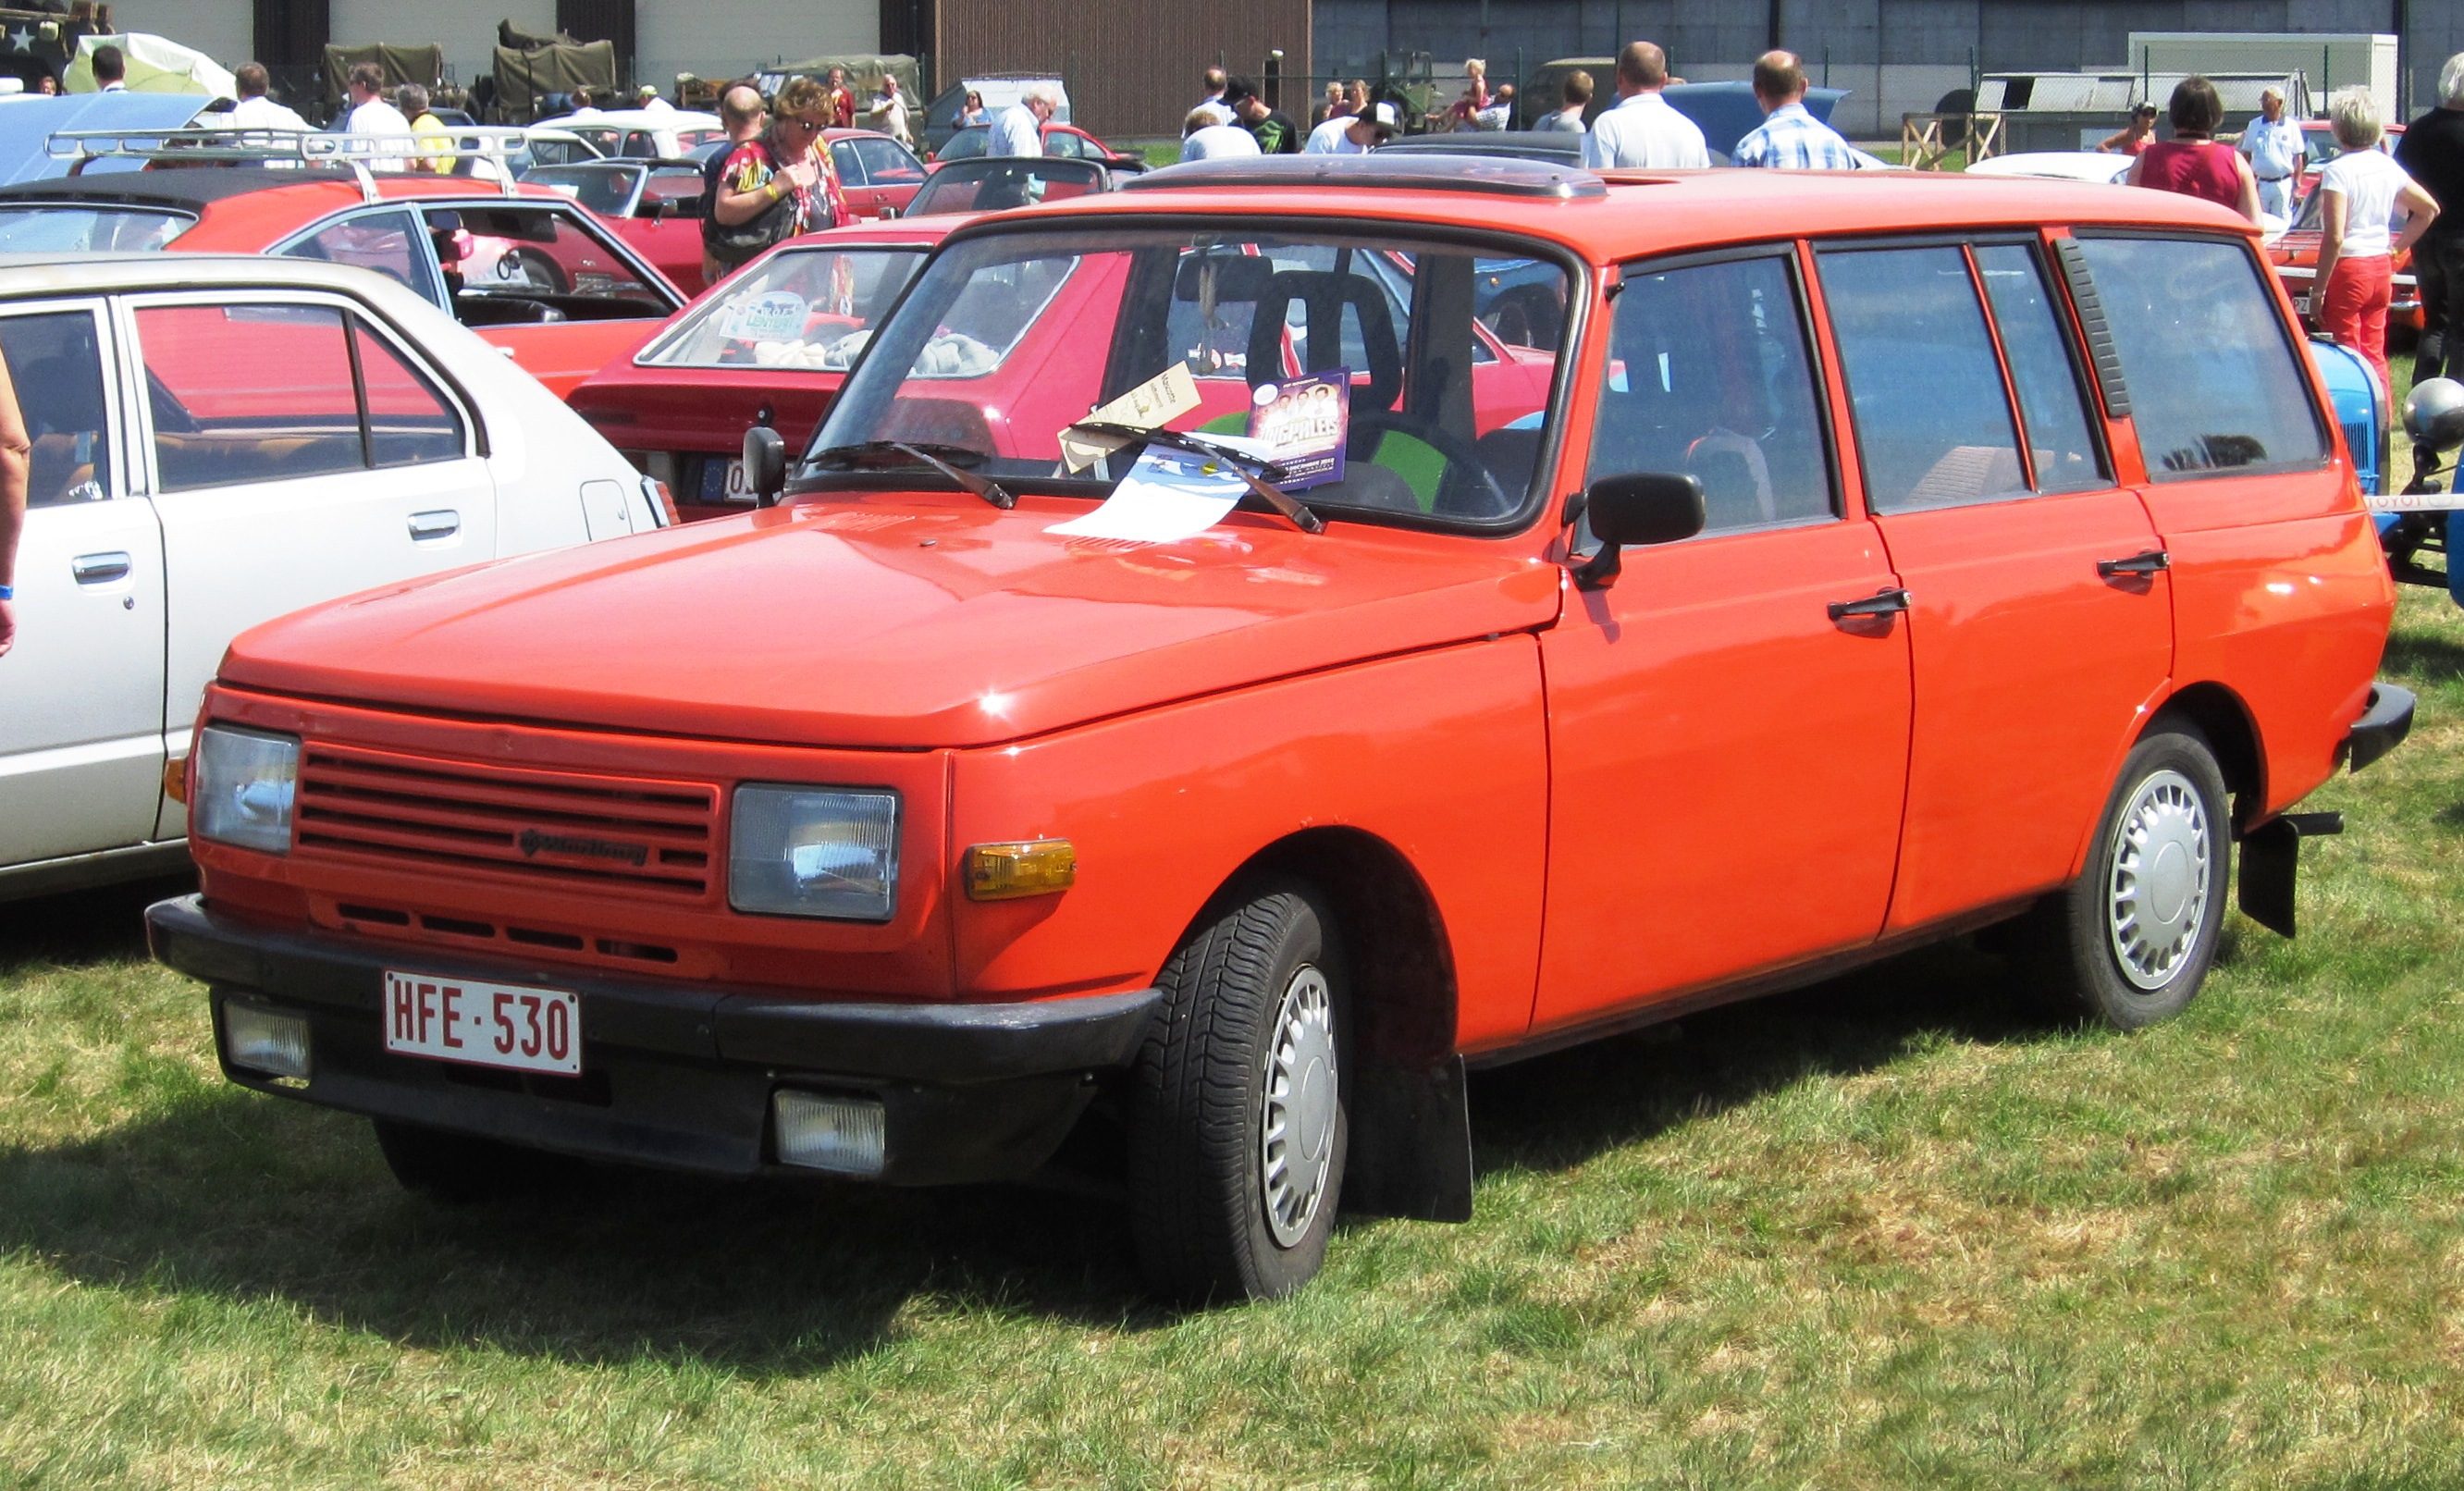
<point x="1296" y="1114"/>
<point x="2157" y="899"/>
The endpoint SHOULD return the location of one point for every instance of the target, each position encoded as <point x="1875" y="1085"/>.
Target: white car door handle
<point x="99" y="569"/>
<point x="442" y="523"/>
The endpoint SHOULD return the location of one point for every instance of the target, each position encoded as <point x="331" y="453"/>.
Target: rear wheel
<point x="1237" y="1121"/>
<point x="2132" y="941"/>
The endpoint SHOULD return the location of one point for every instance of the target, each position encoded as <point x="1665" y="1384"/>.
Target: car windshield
<point x="966" y="145"/>
<point x="989" y="184"/>
<point x="51" y="228"/>
<point x="1381" y="342"/>
<point x="800" y="308"/>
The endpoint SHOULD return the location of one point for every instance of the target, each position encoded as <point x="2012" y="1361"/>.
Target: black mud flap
<point x="1411" y="1143"/>
<point x="2269" y="855"/>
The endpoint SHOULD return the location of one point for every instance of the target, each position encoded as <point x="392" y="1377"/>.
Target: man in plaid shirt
<point x="1788" y="136"/>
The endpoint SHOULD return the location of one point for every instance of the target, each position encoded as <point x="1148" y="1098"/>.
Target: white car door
<point x="81" y="692"/>
<point x="297" y="451"/>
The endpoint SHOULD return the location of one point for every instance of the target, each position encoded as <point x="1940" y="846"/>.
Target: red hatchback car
<point x="522" y="266"/>
<point x="771" y="346"/>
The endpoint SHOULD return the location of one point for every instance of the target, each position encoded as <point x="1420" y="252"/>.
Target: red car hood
<point x="892" y="622"/>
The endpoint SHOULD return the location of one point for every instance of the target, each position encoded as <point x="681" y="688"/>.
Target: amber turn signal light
<point x="175" y="781"/>
<point x="1008" y="871"/>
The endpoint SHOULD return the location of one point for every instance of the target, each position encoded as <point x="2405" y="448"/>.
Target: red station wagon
<point x="1872" y="560"/>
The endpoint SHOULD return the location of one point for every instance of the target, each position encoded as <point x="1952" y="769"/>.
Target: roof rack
<point x="1377" y="170"/>
<point x="265" y="146"/>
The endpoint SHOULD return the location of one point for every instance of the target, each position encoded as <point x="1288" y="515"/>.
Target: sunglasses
<point x="804" y="123"/>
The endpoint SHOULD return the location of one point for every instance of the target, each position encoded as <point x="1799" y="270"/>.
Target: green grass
<point x="1891" y="1231"/>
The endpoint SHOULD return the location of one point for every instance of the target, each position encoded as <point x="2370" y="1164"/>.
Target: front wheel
<point x="1236" y="1105"/>
<point x="2130" y="942"/>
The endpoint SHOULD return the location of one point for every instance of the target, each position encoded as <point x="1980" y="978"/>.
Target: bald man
<point x="1644" y="130"/>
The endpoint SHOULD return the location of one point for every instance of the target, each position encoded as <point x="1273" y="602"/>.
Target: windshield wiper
<point x="884" y="454"/>
<point x="1261" y="474"/>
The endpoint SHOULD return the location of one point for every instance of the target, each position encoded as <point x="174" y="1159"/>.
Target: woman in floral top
<point x="782" y="178"/>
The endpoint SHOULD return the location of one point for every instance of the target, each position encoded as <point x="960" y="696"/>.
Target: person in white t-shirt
<point x="1201" y="139"/>
<point x="371" y="115"/>
<point x="1354" y="134"/>
<point x="2371" y="212"/>
<point x="1019" y="130"/>
<point x="254" y="110"/>
<point x="1644" y="130"/>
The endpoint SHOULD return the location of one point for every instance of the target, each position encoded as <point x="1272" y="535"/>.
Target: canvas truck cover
<point x="523" y="77"/>
<point x="403" y="63"/>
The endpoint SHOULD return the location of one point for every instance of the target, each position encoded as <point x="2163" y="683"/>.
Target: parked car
<point x="770" y="346"/>
<point x="644" y="134"/>
<point x="218" y="440"/>
<point x="1067" y="141"/>
<point x="1035" y="767"/>
<point x="523" y="265"/>
<point x="989" y="184"/>
<point x="655" y="206"/>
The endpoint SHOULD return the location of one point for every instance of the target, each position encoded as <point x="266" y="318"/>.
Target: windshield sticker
<point x="1168" y="495"/>
<point x="775" y="316"/>
<point x="1301" y="423"/>
<point x="1151" y="404"/>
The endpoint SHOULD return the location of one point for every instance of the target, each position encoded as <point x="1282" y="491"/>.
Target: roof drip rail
<point x="1379" y="171"/>
<point x="362" y="154"/>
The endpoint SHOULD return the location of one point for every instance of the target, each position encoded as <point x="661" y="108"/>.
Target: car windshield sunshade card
<point x="1151" y="404"/>
<point x="1168" y="495"/>
<point x="1301" y="423"/>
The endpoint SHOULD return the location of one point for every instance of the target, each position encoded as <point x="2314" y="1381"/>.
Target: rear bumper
<point x="675" y="1075"/>
<point x="2384" y="722"/>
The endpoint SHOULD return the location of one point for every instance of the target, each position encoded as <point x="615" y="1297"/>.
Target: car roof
<point x="637" y="118"/>
<point x="26" y="276"/>
<point x="1625" y="213"/>
<point x="199" y="187"/>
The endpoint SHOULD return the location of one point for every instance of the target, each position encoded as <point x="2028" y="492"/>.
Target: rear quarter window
<point x="2215" y="382"/>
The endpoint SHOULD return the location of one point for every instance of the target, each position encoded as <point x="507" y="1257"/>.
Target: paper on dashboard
<point x="1150" y="406"/>
<point x="1168" y="495"/>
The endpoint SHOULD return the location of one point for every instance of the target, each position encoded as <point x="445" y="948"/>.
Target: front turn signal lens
<point x="175" y="779"/>
<point x="1009" y="871"/>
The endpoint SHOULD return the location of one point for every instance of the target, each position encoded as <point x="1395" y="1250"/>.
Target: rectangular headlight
<point x="813" y="851"/>
<point x="247" y="784"/>
<point x="822" y="1130"/>
<point x="264" y="1041"/>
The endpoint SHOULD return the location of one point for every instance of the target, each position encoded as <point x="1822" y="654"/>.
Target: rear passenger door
<point x="2040" y="617"/>
<point x="81" y="692"/>
<point x="296" y="452"/>
<point x="1727" y="759"/>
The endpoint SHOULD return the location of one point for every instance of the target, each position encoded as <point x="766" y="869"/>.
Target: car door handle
<point x="1882" y="602"/>
<point x="2148" y="561"/>
<point x="443" y="523"/>
<point x="99" y="569"/>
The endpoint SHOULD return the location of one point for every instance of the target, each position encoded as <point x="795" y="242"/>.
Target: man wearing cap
<point x="2273" y="145"/>
<point x="653" y="101"/>
<point x="1355" y="134"/>
<point x="1275" y="132"/>
<point x="1644" y="129"/>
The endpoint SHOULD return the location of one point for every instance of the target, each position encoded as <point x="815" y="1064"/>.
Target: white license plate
<point x="484" y="1024"/>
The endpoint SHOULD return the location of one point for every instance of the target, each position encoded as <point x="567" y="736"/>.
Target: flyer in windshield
<point x="1301" y="423"/>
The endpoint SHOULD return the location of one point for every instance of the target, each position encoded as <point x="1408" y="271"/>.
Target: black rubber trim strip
<point x="2382" y="726"/>
<point x="2100" y="331"/>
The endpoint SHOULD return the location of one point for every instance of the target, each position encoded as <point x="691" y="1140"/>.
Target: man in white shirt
<point x="110" y="70"/>
<point x="888" y="112"/>
<point x="1216" y="82"/>
<point x="2273" y="144"/>
<point x="1354" y="134"/>
<point x="254" y="110"/>
<point x="653" y="101"/>
<point x="1019" y="130"/>
<point x="371" y="115"/>
<point x="1644" y="130"/>
<point x="1201" y="139"/>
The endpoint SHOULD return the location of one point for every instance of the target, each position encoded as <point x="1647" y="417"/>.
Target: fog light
<point x="822" y="1130"/>
<point x="264" y="1041"/>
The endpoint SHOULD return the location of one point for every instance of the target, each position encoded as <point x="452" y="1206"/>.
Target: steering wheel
<point x="524" y="268"/>
<point x="1484" y="499"/>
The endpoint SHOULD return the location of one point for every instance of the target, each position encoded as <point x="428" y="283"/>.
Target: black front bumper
<point x="675" y="1075"/>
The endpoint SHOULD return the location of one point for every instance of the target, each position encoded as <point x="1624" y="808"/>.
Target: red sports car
<point x="523" y="266"/>
<point x="1065" y="141"/>
<point x="654" y="206"/>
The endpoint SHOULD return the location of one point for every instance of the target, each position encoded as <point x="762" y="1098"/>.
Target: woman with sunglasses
<point x="781" y="182"/>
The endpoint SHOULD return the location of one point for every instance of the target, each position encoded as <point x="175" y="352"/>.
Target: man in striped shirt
<point x="1788" y="136"/>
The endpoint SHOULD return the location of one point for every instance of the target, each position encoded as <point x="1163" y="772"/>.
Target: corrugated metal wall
<point x="1132" y="65"/>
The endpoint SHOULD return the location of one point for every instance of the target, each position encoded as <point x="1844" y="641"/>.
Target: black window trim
<point x="1787" y="249"/>
<point x="2322" y="422"/>
<point x="2083" y="382"/>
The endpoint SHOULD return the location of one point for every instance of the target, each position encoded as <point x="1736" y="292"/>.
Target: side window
<point x="845" y="162"/>
<point x="248" y="393"/>
<point x="409" y="420"/>
<point x="2214" y="381"/>
<point x="56" y="361"/>
<point x="386" y="242"/>
<point x="2061" y="449"/>
<point x="1062" y="142"/>
<point x="884" y="164"/>
<point x="1709" y="375"/>
<point x="521" y="263"/>
<point x="1933" y="424"/>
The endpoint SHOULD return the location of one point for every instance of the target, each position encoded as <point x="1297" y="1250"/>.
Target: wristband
<point x="8" y="592"/>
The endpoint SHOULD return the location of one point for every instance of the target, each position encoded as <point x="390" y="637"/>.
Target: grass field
<point x="1886" y="1232"/>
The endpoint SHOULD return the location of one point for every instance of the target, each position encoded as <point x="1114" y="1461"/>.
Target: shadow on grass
<point x="2423" y="656"/>
<point x="231" y="1194"/>
<point x="82" y="927"/>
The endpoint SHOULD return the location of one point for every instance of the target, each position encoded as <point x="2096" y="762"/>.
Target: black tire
<point x="1201" y="1188"/>
<point x="464" y="1169"/>
<point x="2132" y="941"/>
